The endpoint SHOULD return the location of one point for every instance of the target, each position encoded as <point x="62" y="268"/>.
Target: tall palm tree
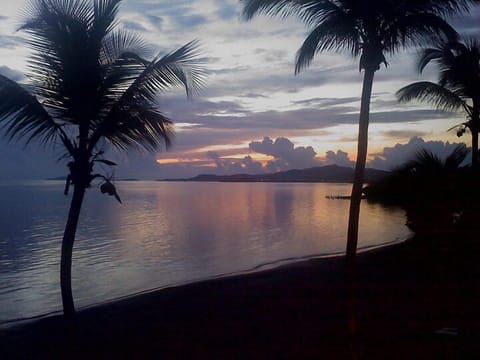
<point x="368" y="29"/>
<point x="90" y="85"/>
<point x="458" y="86"/>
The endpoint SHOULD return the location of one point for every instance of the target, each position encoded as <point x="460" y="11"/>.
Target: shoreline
<point x="405" y="294"/>
<point x="6" y="325"/>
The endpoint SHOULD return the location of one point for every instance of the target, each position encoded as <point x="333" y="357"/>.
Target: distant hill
<point x="329" y="173"/>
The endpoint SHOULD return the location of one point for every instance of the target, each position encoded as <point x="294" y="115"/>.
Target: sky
<point x="254" y="115"/>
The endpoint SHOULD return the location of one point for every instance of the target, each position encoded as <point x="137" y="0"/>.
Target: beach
<point x="415" y="300"/>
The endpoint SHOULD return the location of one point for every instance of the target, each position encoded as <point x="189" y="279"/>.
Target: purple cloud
<point x="392" y="157"/>
<point x="339" y="158"/>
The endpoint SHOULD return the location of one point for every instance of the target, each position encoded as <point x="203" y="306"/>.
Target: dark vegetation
<point x="439" y="195"/>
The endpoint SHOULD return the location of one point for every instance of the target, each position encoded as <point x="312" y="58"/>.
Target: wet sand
<point x="415" y="300"/>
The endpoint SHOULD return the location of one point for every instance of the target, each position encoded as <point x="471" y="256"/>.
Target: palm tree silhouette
<point x="458" y="87"/>
<point x="369" y="29"/>
<point x="90" y="85"/>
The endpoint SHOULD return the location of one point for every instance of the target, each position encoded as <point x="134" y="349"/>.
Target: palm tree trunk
<point x="67" y="248"/>
<point x="474" y="129"/>
<point x="362" y="146"/>
<point x="475" y="148"/>
<point x="354" y="214"/>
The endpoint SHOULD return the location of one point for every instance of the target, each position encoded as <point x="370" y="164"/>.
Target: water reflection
<point x="167" y="233"/>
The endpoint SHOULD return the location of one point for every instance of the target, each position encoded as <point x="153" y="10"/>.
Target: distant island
<point x="329" y="173"/>
<point x="63" y="178"/>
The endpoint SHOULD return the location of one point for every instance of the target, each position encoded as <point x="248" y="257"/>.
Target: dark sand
<point x="404" y="295"/>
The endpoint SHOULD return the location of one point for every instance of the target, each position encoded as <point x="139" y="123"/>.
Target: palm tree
<point x="90" y="85"/>
<point x="429" y="188"/>
<point x="368" y="29"/>
<point x="458" y="87"/>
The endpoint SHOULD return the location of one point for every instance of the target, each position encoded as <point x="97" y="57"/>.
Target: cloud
<point x="468" y="24"/>
<point x="391" y="157"/>
<point x="156" y="21"/>
<point x="188" y="22"/>
<point x="252" y="90"/>
<point x="286" y="155"/>
<point x="11" y="73"/>
<point x="272" y="55"/>
<point x="339" y="158"/>
<point x="395" y="134"/>
<point x="227" y="11"/>
<point x="226" y="166"/>
<point x="134" y="165"/>
<point x="134" y="25"/>
<point x="10" y="42"/>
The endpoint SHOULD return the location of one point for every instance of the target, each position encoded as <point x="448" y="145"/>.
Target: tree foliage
<point x="89" y="81"/>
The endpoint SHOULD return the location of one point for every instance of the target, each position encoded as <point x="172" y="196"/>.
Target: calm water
<point x="167" y="233"/>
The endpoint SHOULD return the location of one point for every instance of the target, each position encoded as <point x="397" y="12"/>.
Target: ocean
<point x="169" y="233"/>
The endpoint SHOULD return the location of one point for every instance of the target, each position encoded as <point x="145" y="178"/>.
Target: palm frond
<point x="23" y="117"/>
<point x="138" y="84"/>
<point x="68" y="41"/>
<point x="347" y="25"/>
<point x="444" y="8"/>
<point x="457" y="157"/>
<point x="336" y="33"/>
<point x="431" y="54"/>
<point x="309" y="11"/>
<point x="429" y="92"/>
<point x="426" y="159"/>
<point x="117" y="43"/>
<point x="181" y="68"/>
<point x="414" y="29"/>
<point x="141" y="127"/>
<point x="103" y="20"/>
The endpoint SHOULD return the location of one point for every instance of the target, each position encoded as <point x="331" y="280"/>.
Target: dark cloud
<point x="229" y="122"/>
<point x="228" y="70"/>
<point x="156" y="21"/>
<point x="407" y="116"/>
<point x="392" y="157"/>
<point x="252" y="95"/>
<point x="395" y="134"/>
<point x="323" y="102"/>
